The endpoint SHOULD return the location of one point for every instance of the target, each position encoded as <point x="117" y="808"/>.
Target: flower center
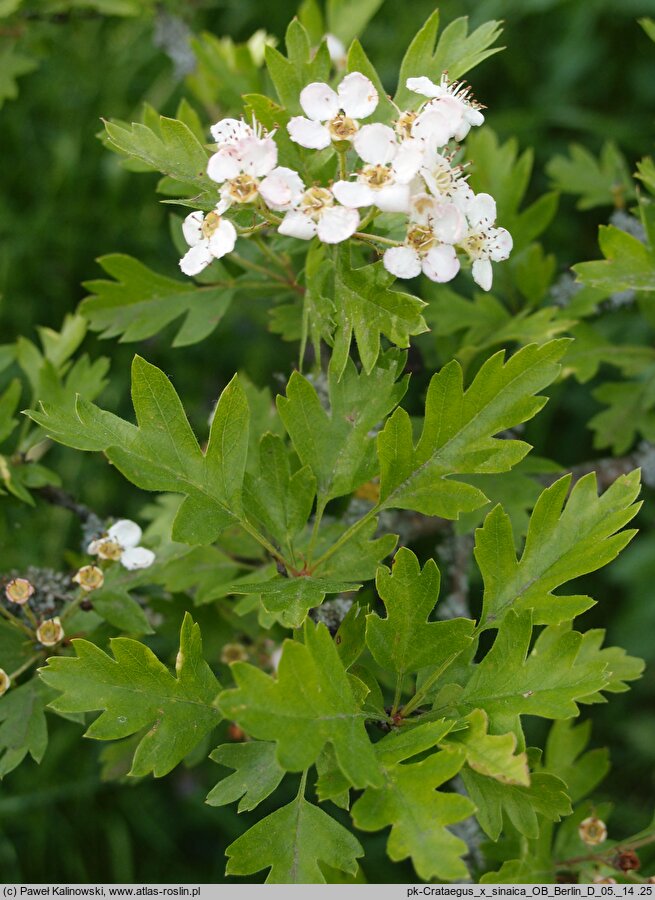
<point x="243" y="188"/>
<point x="209" y="224"/>
<point x="475" y="245"/>
<point x="404" y="124"/>
<point x="376" y="176"/>
<point x="111" y="549"/>
<point x="342" y="128"/>
<point x="421" y="238"/>
<point x="315" y="200"/>
<point x="444" y="178"/>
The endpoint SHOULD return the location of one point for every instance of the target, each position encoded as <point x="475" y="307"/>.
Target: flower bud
<point x="5" y="682"/>
<point x="369" y="491"/>
<point x="50" y="632"/>
<point x="19" y="590"/>
<point x="233" y="653"/>
<point x="89" y="578"/>
<point x="627" y="860"/>
<point x="592" y="831"/>
<point x="604" y="879"/>
<point x="235" y="733"/>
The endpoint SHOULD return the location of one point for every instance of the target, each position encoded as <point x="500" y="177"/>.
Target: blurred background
<point x="573" y="71"/>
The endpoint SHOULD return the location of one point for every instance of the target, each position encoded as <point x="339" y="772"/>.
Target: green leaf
<point x="563" y="543"/>
<point x="12" y="65"/>
<point x="309" y="704"/>
<point x="628" y="264"/>
<point x="629" y="412"/>
<point x="409" y="801"/>
<point x="516" y="804"/>
<point x="581" y="771"/>
<point x="493" y="755"/>
<point x="9" y="401"/>
<point x="257" y="774"/>
<point x="290" y="599"/>
<point x="369" y="308"/>
<point x="23" y="727"/>
<point x="15" y="647"/>
<point x="290" y="75"/>
<point x="590" y="349"/>
<point x="292" y="841"/>
<point x="135" y="690"/>
<point x="458" y="432"/>
<point x="405" y="641"/>
<point x="169" y="147"/>
<point x="140" y="303"/>
<point x="346" y="19"/>
<point x="547" y="682"/>
<point x="456" y="52"/>
<point x="359" y="557"/>
<point x="161" y="453"/>
<point x="337" y="445"/>
<point x="604" y="181"/>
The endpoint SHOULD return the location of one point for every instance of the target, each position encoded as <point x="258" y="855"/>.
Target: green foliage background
<point x="573" y="71"/>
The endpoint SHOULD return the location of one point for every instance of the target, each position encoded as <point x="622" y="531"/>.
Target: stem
<point x="74" y="604"/>
<point x="363" y="236"/>
<point x="280" y="263"/>
<point x="398" y="694"/>
<point x="16" y="622"/>
<point x="320" y="509"/>
<point x="265" y="543"/>
<point x="26" y="665"/>
<point x="420" y="695"/>
<point x="602" y="857"/>
<point x="303" y="783"/>
<point x="346" y="536"/>
<point x="343" y="167"/>
<point x="254" y="267"/>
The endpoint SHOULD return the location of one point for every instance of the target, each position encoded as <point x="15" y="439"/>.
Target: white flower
<point x="122" y="542"/>
<point x="317" y="215"/>
<point x="482" y="241"/>
<point x="452" y="102"/>
<point x="332" y="115"/>
<point x="247" y="168"/>
<point x="443" y="179"/>
<point x="434" y="227"/>
<point x="384" y="182"/>
<point x="209" y="236"/>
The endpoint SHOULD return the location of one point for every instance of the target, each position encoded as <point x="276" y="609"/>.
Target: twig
<point x="58" y="497"/>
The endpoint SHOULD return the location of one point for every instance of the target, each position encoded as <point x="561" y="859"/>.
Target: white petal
<point x="424" y="209"/>
<point x="473" y="116"/>
<point x="462" y="130"/>
<point x="196" y="259"/>
<point x="308" y="134"/>
<point x="223" y="239"/>
<point x="432" y="127"/>
<point x="407" y="160"/>
<point x="282" y="188"/>
<point x="299" y="225"/>
<point x="319" y="102"/>
<point x="481" y="212"/>
<point x="482" y="273"/>
<point x="376" y="144"/>
<point x="137" y="558"/>
<point x="424" y="86"/>
<point x="353" y="193"/>
<point x="223" y="165"/>
<point x="336" y="49"/>
<point x="357" y="96"/>
<point x="229" y="131"/>
<point x="258" y="156"/>
<point x="441" y="263"/>
<point x="94" y="546"/>
<point x="448" y="224"/>
<point x="403" y="262"/>
<point x="336" y="224"/>
<point x="450" y="108"/>
<point x="125" y="532"/>
<point x="393" y="198"/>
<point x="192" y="228"/>
<point x="499" y="244"/>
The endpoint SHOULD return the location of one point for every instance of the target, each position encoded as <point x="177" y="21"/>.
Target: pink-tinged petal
<point x="197" y="259"/>
<point x="258" y="156"/>
<point x="376" y="144"/>
<point x="441" y="264"/>
<point x="223" y="239"/>
<point x="393" y="198"/>
<point x="353" y="193"/>
<point x="281" y="189"/>
<point x="298" y="225"/>
<point x="424" y="86"/>
<point x="192" y="228"/>
<point x="336" y="224"/>
<point x="403" y="262"/>
<point x="137" y="558"/>
<point x="125" y="532"/>
<point x="499" y="244"/>
<point x="481" y="212"/>
<point x="229" y="131"/>
<point x="223" y="165"/>
<point x="448" y="224"/>
<point x="407" y="160"/>
<point x="357" y="96"/>
<point x="319" y="102"/>
<point x="482" y="273"/>
<point x="432" y="127"/>
<point x="308" y="134"/>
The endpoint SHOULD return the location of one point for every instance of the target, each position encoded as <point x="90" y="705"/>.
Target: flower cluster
<point x="404" y="167"/>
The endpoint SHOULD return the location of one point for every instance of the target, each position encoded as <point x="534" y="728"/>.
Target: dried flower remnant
<point x="19" y="590"/>
<point x="50" y="632"/>
<point x="592" y="831"/>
